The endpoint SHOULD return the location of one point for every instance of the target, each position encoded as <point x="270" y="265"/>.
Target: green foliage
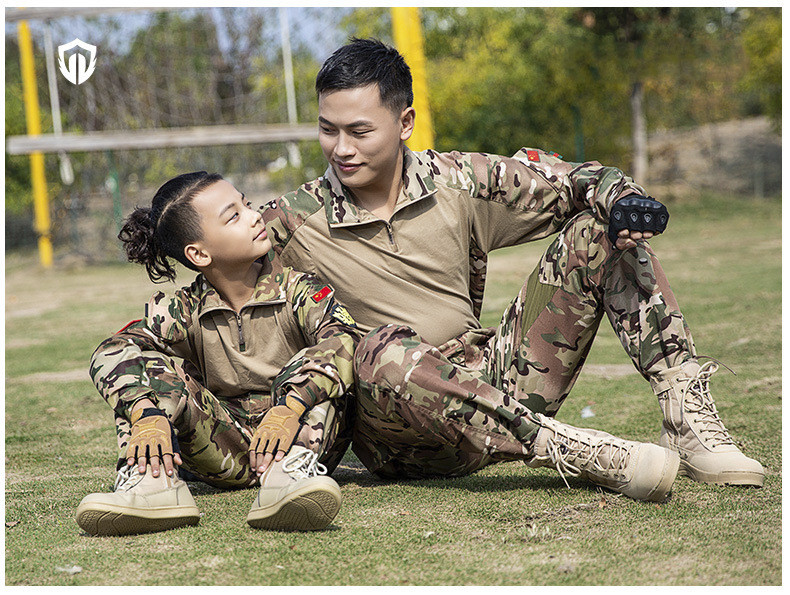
<point x="762" y="40"/>
<point x="289" y="177"/>
<point x="504" y="77"/>
<point x="18" y="193"/>
<point x="367" y="22"/>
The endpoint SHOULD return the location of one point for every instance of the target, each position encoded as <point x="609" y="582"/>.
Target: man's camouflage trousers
<point x="214" y="433"/>
<point x="446" y="411"/>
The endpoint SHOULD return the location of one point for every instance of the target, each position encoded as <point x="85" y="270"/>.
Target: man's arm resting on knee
<point x="634" y="218"/>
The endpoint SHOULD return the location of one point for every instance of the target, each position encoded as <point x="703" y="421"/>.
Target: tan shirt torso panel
<point x="413" y="270"/>
<point x="270" y="335"/>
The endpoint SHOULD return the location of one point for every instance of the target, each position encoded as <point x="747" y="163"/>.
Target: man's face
<point x="361" y="138"/>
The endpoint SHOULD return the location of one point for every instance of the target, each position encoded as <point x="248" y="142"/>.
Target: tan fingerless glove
<point x="277" y="430"/>
<point x="152" y="435"/>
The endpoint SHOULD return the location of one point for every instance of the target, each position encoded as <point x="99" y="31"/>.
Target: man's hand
<point x="273" y="437"/>
<point x="635" y="218"/>
<point x="152" y="442"/>
<point x="628" y="239"/>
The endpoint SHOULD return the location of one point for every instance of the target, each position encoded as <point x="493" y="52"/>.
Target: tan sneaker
<point x="295" y="495"/>
<point x="138" y="504"/>
<point x="692" y="427"/>
<point x="638" y="470"/>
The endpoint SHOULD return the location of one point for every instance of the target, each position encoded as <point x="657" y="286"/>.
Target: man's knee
<point x="584" y="229"/>
<point x="382" y="353"/>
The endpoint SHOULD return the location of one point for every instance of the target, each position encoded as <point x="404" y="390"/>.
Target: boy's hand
<point x="274" y="437"/>
<point x="152" y="442"/>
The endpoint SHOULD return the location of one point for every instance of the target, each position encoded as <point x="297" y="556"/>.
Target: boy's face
<point x="361" y="137"/>
<point x="233" y="233"/>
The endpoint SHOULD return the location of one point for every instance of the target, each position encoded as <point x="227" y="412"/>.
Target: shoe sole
<point x="311" y="510"/>
<point x="106" y="521"/>
<point x="731" y="478"/>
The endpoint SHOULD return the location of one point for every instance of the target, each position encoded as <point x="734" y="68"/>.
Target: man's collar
<point x="342" y="211"/>
<point x="269" y="288"/>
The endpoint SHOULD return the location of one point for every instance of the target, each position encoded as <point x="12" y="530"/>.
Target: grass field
<point x="505" y="525"/>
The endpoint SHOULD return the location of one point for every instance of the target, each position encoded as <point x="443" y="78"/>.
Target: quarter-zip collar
<point x="269" y="289"/>
<point x="341" y="211"/>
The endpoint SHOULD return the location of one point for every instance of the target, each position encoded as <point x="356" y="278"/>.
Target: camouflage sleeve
<point x="124" y="367"/>
<point x="324" y="370"/>
<point x="284" y="215"/>
<point x="531" y="195"/>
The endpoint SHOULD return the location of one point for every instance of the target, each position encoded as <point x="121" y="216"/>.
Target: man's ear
<point x="407" y="123"/>
<point x="197" y="255"/>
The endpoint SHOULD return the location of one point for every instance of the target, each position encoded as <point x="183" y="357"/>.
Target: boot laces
<point x="124" y="478"/>
<point x="303" y="464"/>
<point x="579" y="454"/>
<point x="696" y="400"/>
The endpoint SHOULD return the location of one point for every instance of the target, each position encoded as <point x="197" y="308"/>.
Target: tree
<point x="563" y="78"/>
<point x="762" y="41"/>
<point x="501" y="78"/>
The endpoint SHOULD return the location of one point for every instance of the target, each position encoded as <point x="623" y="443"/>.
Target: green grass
<point x="504" y="525"/>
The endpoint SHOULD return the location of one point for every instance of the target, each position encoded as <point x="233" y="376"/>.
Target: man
<point x="403" y="237"/>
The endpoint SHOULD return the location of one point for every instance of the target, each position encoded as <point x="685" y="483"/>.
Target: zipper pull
<point x="242" y="346"/>
<point x="391" y="236"/>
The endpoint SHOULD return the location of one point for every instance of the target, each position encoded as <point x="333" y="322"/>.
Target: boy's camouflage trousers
<point x="214" y="433"/>
<point x="425" y="411"/>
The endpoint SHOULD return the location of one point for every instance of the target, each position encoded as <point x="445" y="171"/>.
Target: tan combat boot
<point x="295" y="495"/>
<point x="638" y="470"/>
<point x="138" y="504"/>
<point x="692" y="428"/>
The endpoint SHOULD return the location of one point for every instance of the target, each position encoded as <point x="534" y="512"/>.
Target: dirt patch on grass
<point x="609" y="370"/>
<point x="28" y="312"/>
<point x="67" y="376"/>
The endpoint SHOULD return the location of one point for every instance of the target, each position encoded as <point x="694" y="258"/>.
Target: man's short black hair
<point x="363" y="62"/>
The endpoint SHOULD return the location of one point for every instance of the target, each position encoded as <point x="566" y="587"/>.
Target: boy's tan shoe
<point x="138" y="504"/>
<point x="295" y="495"/>
<point x="638" y="470"/>
<point x="692" y="427"/>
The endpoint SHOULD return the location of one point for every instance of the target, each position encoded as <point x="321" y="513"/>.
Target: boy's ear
<point x="407" y="123"/>
<point x="197" y="255"/>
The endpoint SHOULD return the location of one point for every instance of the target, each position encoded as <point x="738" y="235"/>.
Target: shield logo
<point x="78" y="69"/>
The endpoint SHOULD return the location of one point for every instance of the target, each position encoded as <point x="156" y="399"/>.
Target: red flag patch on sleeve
<point x="321" y="293"/>
<point x="128" y="325"/>
<point x="533" y="155"/>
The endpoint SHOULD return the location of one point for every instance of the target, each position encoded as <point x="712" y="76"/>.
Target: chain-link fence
<point x="160" y="70"/>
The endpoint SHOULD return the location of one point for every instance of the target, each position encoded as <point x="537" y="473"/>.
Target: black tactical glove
<point x="637" y="213"/>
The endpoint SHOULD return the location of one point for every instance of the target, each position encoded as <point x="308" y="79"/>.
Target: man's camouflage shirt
<point x="425" y="267"/>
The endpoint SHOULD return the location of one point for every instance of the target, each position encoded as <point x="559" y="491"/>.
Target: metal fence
<point x="170" y="69"/>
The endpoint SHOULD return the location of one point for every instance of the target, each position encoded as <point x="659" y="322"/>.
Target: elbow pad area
<point x="637" y="213"/>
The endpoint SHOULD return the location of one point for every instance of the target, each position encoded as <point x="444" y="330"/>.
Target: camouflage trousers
<point x="446" y="411"/>
<point x="214" y="433"/>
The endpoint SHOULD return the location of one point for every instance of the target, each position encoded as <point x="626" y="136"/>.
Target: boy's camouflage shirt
<point x="425" y="267"/>
<point x="292" y="338"/>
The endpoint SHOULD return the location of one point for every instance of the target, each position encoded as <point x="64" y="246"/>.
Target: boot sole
<point x="651" y="457"/>
<point x="671" y="468"/>
<point x="311" y="510"/>
<point x="106" y="521"/>
<point x="731" y="478"/>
